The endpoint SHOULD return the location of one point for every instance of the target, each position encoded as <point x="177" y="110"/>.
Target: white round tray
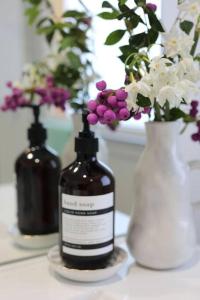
<point x="116" y="262"/>
<point x="33" y="241"/>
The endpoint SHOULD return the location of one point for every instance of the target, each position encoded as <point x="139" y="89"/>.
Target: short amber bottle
<point x="87" y="193"/>
<point x="37" y="175"/>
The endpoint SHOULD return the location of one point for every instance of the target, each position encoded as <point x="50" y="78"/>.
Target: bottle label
<point x="87" y="224"/>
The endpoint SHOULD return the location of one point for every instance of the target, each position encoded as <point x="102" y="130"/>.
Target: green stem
<point x="196" y="40"/>
<point x="84" y="6"/>
<point x="184" y="129"/>
<point x="167" y="111"/>
<point x="158" y="116"/>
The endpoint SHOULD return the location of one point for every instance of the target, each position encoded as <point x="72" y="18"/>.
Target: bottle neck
<point x="33" y="144"/>
<point x="85" y="156"/>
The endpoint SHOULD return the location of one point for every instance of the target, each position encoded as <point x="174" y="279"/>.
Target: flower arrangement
<point x="36" y="87"/>
<point x="162" y="85"/>
<point x="68" y="37"/>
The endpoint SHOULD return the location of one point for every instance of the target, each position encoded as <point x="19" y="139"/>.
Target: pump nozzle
<point x="36" y="133"/>
<point x="86" y="141"/>
<point x="86" y="126"/>
<point x="36" y="111"/>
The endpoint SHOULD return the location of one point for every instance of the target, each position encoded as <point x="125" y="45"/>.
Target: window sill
<point x="131" y="132"/>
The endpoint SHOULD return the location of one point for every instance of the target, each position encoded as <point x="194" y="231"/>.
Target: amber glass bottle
<point x="86" y="207"/>
<point x="37" y="174"/>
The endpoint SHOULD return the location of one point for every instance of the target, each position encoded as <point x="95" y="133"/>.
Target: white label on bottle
<point x="87" y="224"/>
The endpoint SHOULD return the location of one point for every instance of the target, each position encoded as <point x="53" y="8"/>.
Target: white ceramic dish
<point x="33" y="241"/>
<point x="118" y="259"/>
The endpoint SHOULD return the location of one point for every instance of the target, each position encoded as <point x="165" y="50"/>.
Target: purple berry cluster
<point x="194" y="108"/>
<point x="109" y="105"/>
<point x="194" y="114"/>
<point x="49" y="94"/>
<point x="52" y="94"/>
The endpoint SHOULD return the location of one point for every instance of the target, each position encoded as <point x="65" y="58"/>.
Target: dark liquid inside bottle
<point x="37" y="171"/>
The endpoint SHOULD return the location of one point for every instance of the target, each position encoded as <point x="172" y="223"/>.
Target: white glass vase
<point x="161" y="232"/>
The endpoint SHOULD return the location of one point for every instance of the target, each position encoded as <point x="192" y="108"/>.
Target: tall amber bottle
<point x="37" y="174"/>
<point x="87" y="191"/>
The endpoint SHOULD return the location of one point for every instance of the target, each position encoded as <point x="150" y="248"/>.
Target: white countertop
<point x="32" y="279"/>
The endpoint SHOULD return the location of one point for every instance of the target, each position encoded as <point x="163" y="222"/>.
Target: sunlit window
<point x="106" y="61"/>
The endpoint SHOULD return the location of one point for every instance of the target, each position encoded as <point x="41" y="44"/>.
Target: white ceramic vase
<point x="69" y="155"/>
<point x="161" y="232"/>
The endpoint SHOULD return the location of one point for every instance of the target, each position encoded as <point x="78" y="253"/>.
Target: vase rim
<point x="160" y="123"/>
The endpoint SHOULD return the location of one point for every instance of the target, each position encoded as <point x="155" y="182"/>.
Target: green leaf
<point x="125" y="9"/>
<point x="46" y="29"/>
<point x="74" y="60"/>
<point x="143" y="101"/>
<point x="152" y="36"/>
<point x="186" y="26"/>
<point x="122" y="2"/>
<point x="140" y="2"/>
<point x="176" y="113"/>
<point x="106" y="4"/>
<point x="67" y="42"/>
<point x="33" y="2"/>
<point x="109" y="15"/>
<point x="32" y="13"/>
<point x="132" y="24"/>
<point x="43" y="20"/>
<point x="139" y="40"/>
<point x="154" y="22"/>
<point x="114" y="37"/>
<point x="73" y="14"/>
<point x="49" y="37"/>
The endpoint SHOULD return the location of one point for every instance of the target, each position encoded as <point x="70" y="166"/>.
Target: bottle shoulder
<point x="38" y="155"/>
<point x="86" y="176"/>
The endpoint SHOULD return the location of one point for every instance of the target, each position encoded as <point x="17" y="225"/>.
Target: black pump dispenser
<point x="86" y="142"/>
<point x="37" y="134"/>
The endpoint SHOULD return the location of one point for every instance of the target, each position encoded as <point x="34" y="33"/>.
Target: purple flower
<point x="151" y="6"/>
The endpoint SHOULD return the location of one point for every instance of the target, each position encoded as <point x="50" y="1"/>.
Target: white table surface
<point x="10" y="252"/>
<point x="33" y="279"/>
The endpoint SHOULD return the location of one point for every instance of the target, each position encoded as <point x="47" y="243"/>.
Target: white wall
<point x="18" y="46"/>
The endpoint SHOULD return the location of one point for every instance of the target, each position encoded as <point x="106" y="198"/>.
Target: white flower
<point x="170" y="94"/>
<point x="187" y="90"/>
<point x="159" y="63"/>
<point x="33" y="76"/>
<point x="187" y="68"/>
<point x="177" y="43"/>
<point x="133" y="89"/>
<point x="191" y="8"/>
